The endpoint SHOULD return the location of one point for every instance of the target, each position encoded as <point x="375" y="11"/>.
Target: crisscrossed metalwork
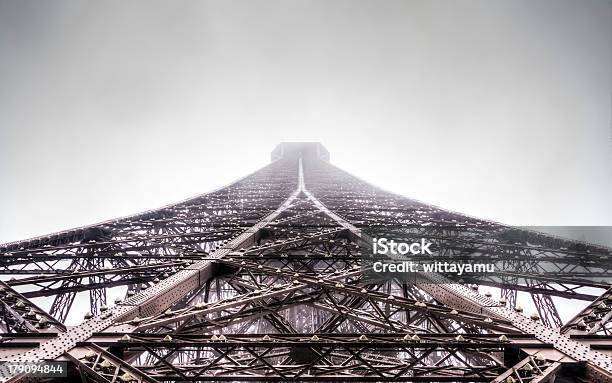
<point x="263" y="280"/>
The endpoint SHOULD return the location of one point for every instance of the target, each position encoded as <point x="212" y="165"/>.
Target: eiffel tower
<point x="266" y="280"/>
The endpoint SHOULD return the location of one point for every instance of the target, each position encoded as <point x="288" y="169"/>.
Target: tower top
<point x="300" y="149"/>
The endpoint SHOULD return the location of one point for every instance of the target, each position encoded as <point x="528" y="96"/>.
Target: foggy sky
<point x="498" y="109"/>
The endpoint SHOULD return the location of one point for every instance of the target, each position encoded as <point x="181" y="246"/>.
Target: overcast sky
<point x="499" y="109"/>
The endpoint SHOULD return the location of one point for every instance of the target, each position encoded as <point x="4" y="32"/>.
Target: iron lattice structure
<point x="262" y="280"/>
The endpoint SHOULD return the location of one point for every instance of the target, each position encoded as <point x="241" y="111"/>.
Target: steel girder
<point x="261" y="281"/>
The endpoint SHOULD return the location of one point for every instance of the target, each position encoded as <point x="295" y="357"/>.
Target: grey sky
<point x="499" y="109"/>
